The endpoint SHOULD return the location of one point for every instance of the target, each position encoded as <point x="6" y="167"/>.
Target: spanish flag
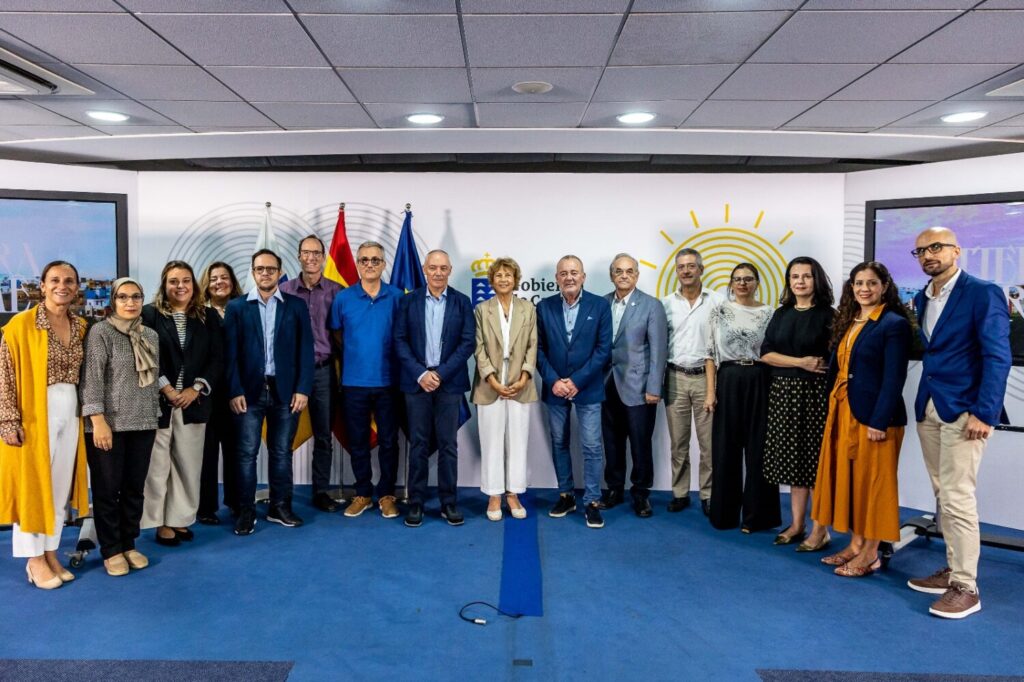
<point x="341" y="267"/>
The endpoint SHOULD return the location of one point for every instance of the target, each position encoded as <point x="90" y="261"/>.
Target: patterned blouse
<point x="63" y="366"/>
<point x="737" y="331"/>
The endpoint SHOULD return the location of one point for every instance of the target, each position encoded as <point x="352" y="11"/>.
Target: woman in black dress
<point x="796" y="347"/>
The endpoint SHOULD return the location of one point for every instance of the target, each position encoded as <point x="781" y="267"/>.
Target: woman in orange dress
<point x="856" y="482"/>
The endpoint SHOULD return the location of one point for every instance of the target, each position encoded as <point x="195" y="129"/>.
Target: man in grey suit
<point x="632" y="385"/>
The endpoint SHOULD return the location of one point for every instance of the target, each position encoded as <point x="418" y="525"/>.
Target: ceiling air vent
<point x="21" y="77"/>
<point x="1015" y="89"/>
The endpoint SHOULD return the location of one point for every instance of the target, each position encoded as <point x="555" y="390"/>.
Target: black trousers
<point x="220" y="441"/>
<point x="321" y="409"/>
<point x="433" y="418"/>
<point x="633" y="424"/>
<point x="363" y="404"/>
<point x="118" y="481"/>
<point x="737" y="443"/>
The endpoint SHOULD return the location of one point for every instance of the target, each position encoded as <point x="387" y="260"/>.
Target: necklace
<point x="802" y="307"/>
<point x="859" y="319"/>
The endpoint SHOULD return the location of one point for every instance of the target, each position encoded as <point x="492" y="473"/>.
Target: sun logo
<point x="722" y="247"/>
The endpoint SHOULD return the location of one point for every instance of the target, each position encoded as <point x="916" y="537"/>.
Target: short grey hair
<point x="433" y="251"/>
<point x="370" y="245"/>
<point x="611" y="266"/>
<point x="690" y="252"/>
<point x="570" y="256"/>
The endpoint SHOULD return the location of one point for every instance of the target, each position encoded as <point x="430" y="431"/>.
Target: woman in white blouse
<point x="737" y="330"/>
<point x="506" y="357"/>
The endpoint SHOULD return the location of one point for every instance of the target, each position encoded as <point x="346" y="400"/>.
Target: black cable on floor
<point x="481" y="621"/>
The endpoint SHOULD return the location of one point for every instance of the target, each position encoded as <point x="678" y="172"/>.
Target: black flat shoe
<point x="168" y="542"/>
<point x="414" y="517"/>
<point x="678" y="504"/>
<point x="208" y="519"/>
<point x="325" y="503"/>
<point x="610" y="499"/>
<point x="642" y="508"/>
<point x="184" y="534"/>
<point x="783" y="539"/>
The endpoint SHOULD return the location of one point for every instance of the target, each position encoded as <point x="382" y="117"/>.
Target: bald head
<point x="937" y="234"/>
<point x="937" y="251"/>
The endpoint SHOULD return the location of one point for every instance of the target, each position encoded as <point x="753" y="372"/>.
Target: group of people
<point x="803" y="395"/>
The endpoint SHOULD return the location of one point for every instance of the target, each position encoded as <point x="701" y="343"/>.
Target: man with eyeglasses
<point x="268" y="354"/>
<point x="435" y="333"/>
<point x="965" y="327"/>
<point x="362" y="320"/>
<point x="690" y="378"/>
<point x="318" y="292"/>
<point x="632" y="386"/>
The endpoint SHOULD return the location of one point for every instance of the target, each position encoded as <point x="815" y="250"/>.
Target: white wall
<point x="1001" y="478"/>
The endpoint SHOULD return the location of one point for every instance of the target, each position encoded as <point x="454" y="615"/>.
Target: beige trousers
<point x="952" y="462"/>
<point x="684" y="402"/>
<point x="172" y="486"/>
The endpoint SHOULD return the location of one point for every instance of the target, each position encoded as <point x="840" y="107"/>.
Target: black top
<point x="798" y="334"/>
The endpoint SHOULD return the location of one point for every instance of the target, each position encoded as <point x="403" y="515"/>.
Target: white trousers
<point x="62" y="422"/>
<point x="504" y="430"/>
<point x="172" y="486"/>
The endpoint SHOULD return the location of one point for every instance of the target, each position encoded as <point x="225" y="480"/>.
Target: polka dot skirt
<point x="797" y="410"/>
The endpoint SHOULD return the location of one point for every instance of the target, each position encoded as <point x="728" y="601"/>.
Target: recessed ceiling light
<point x="532" y="87"/>
<point x="964" y="116"/>
<point x="635" y="117"/>
<point x="424" y="119"/>
<point x="108" y="116"/>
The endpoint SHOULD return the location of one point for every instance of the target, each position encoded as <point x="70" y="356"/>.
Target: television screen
<point x="989" y="227"/>
<point x="88" y="230"/>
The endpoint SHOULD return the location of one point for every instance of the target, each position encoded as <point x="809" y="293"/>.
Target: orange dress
<point x="856" y="488"/>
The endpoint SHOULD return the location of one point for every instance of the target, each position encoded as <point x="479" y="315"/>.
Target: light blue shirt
<point x="434" y="325"/>
<point x="268" y="316"/>
<point x="569" y="312"/>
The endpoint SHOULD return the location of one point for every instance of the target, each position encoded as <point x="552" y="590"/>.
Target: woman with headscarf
<point x="120" y="401"/>
<point x="42" y="457"/>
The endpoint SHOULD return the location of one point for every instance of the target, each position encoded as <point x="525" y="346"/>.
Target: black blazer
<point x="202" y="358"/>
<point x="878" y="370"/>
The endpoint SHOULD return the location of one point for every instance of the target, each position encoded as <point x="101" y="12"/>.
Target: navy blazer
<point x="967" y="359"/>
<point x="244" y="349"/>
<point x="877" y="371"/>
<point x="585" y="358"/>
<point x="458" y="341"/>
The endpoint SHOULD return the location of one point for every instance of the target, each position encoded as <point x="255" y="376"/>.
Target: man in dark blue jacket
<point x="965" y="327"/>
<point x="435" y="333"/>
<point x="574" y="343"/>
<point x="269" y="361"/>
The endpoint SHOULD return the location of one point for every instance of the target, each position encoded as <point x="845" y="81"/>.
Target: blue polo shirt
<point x="366" y="325"/>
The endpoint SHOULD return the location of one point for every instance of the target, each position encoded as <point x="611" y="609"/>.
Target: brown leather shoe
<point x="957" y="602"/>
<point x="136" y="559"/>
<point x="936" y="583"/>
<point x="388" y="507"/>
<point x="116" y="565"/>
<point x="358" y="505"/>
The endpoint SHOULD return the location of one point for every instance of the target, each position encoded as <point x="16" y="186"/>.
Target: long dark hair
<point x="195" y="307"/>
<point x="849" y="308"/>
<point x="822" y="284"/>
<point x="204" y="282"/>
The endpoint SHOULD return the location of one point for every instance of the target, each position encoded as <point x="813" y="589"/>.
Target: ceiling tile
<point x="847" y="37"/>
<point x="828" y="129"/>
<point x="212" y="6"/>
<point x="570" y="84"/>
<point x="392" y="115"/>
<point x="395" y="40"/>
<point x="210" y="113"/>
<point x="974" y="38"/>
<point x="92" y="38"/>
<point x="408" y="85"/>
<point x="530" y="115"/>
<point x="316" y="115"/>
<point x="161" y="82"/>
<point x="931" y="116"/>
<point x="284" y="84"/>
<point x="544" y="6"/>
<point x="238" y="39"/>
<point x="18" y="112"/>
<point x="140" y="130"/>
<point x="373" y="6"/>
<point x="1001" y="132"/>
<point x="48" y="132"/>
<point x="75" y="108"/>
<point x="888" y="4"/>
<point x="540" y="40"/>
<point x="1014" y="122"/>
<point x="856" y="114"/>
<point x="693" y="38"/>
<point x="233" y="129"/>
<point x="746" y="114"/>
<point x="789" y="81"/>
<point x="918" y="81"/>
<point x="61" y="6"/>
<point x="668" y="114"/>
<point x="1002" y="4"/>
<point x="626" y="83"/>
<point x="712" y="5"/>
<point x="935" y="130"/>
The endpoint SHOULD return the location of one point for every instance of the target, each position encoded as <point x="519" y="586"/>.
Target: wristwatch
<point x="197" y="387"/>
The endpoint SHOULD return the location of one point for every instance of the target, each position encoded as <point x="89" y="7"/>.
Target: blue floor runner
<point x="521" y="584"/>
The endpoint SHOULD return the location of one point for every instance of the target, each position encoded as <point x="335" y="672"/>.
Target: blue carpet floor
<point x="661" y="598"/>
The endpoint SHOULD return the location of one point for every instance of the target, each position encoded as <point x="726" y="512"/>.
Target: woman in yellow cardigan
<point x="42" y="456"/>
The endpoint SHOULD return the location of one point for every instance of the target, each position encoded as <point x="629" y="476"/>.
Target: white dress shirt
<point x="689" y="331"/>
<point x="618" y="310"/>
<point x="937" y="303"/>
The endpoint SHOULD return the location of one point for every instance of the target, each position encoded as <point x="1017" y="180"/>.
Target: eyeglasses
<point x="931" y="248"/>
<point x="743" y="280"/>
<point x="311" y="254"/>
<point x="364" y="261"/>
<point x="618" y="272"/>
<point x="124" y="298"/>
<point x="267" y="269"/>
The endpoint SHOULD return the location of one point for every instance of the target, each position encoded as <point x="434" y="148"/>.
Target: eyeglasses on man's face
<point x="124" y="298"/>
<point x="265" y="269"/>
<point x="311" y="254"/>
<point x="375" y="262"/>
<point x="931" y="248"/>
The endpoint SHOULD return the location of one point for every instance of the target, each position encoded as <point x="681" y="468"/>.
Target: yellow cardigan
<point x="26" y="490"/>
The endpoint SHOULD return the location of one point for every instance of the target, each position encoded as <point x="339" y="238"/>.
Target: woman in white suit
<point x="506" y="357"/>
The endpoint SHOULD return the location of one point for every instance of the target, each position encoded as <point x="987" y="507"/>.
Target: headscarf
<point x="146" y="353"/>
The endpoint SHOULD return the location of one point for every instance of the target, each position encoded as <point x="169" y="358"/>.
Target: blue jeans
<point x="281" y="425"/>
<point x="361" y="405"/>
<point x="589" y="417"/>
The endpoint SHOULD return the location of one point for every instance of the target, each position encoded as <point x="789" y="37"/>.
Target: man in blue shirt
<point x="362" y="317"/>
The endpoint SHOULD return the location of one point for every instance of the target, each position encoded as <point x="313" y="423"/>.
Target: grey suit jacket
<point x="639" y="348"/>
